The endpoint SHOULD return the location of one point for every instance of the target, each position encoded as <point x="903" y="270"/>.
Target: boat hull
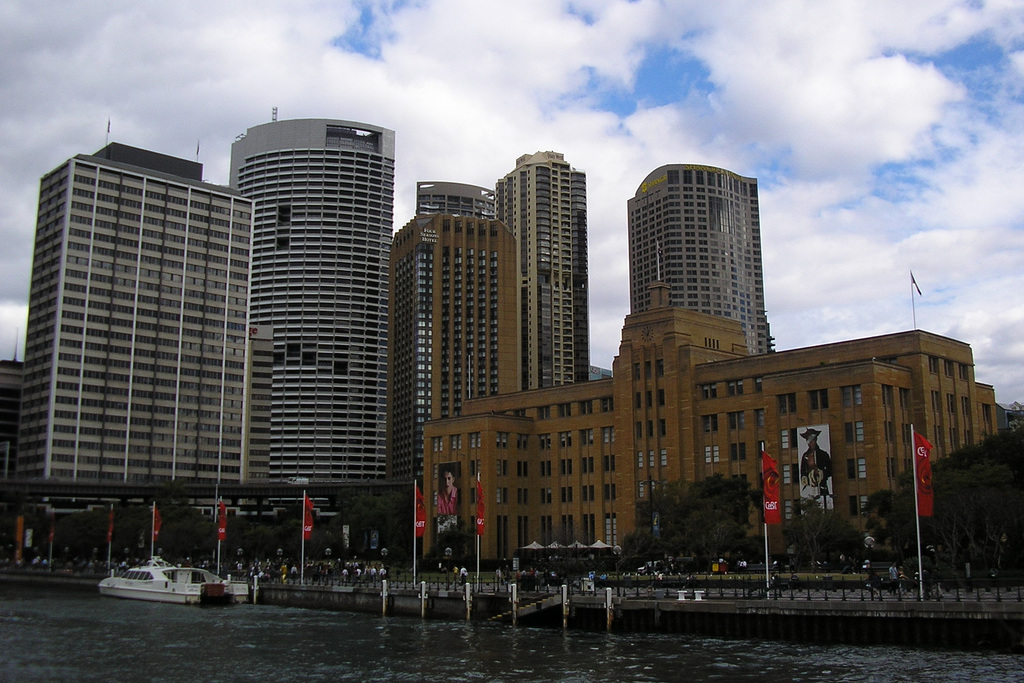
<point x="180" y="595"/>
<point x="162" y="582"/>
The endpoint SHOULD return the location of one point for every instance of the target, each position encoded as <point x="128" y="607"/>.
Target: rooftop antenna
<point x="273" y="115"/>
<point x="659" y="261"/>
<point x="17" y="336"/>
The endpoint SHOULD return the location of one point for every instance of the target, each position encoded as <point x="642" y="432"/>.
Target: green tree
<point x="712" y="534"/>
<point x="978" y="509"/>
<point x="707" y="518"/>
<point x="816" y="533"/>
<point x="389" y="515"/>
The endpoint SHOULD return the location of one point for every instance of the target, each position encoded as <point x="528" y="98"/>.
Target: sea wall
<point x="952" y="624"/>
<point x="949" y="622"/>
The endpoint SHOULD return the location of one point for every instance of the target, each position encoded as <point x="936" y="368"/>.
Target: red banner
<point x="157" y="523"/>
<point x="421" y="513"/>
<point x="307" y="517"/>
<point x="479" y="508"/>
<point x="222" y="521"/>
<point x="110" y="525"/>
<point x="770" y="486"/>
<point x="923" y="473"/>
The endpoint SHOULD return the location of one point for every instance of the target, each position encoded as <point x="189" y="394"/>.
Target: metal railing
<point x="809" y="589"/>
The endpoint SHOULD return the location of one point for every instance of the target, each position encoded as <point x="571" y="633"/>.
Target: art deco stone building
<point x="686" y="401"/>
<point x="322" y="192"/>
<point x="454" y="325"/>
<point x="544" y="202"/>
<point x="698" y="229"/>
<point x="135" y="358"/>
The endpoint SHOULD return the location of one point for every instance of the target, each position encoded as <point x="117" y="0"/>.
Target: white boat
<point x="160" y="581"/>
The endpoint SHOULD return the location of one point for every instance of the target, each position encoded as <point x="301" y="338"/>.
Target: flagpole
<point x="414" y="530"/>
<point x="302" y="527"/>
<point x="767" y="569"/>
<point x="217" y="517"/>
<point x="53" y="522"/>
<point x="913" y="288"/>
<point x="478" y="493"/>
<point x="152" y="532"/>
<point x="764" y="518"/>
<point x="110" y="536"/>
<point x="913" y="305"/>
<point x="916" y="516"/>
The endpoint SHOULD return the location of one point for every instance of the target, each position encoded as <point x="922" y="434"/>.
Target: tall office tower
<point x="454" y="321"/>
<point x="455" y="199"/>
<point x="544" y="202"/>
<point x="260" y="387"/>
<point x="11" y="373"/>
<point x="135" y="358"/>
<point x="698" y="229"/>
<point x="323" y="194"/>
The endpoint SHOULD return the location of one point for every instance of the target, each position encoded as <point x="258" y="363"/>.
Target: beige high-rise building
<point x="698" y="228"/>
<point x="455" y="199"/>
<point x="544" y="202"/>
<point x="136" y="348"/>
<point x="453" y="327"/>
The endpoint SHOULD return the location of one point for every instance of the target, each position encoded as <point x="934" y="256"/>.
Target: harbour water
<point x="76" y="635"/>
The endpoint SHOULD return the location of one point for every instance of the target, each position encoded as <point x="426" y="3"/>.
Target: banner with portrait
<point x="815" y="446"/>
<point x="446" y="494"/>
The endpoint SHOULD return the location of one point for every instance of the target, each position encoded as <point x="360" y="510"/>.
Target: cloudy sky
<point x="886" y="135"/>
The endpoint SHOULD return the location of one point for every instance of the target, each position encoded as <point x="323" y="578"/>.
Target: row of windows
<point x="963" y="370"/>
<point x="565" y="409"/>
<point x="544" y="441"/>
<point x="733" y="387"/>
<point x="588" y="494"/>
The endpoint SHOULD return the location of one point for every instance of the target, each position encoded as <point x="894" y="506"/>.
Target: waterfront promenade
<point x="986" y="614"/>
<point x="979" y="614"/>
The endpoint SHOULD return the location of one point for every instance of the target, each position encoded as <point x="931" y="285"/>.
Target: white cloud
<point x="871" y="158"/>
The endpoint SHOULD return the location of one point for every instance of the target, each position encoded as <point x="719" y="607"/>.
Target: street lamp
<point x="869" y="543"/>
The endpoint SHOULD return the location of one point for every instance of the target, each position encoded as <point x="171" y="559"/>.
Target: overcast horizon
<point x="886" y="137"/>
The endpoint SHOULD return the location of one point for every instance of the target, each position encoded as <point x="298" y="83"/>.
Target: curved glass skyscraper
<point x="323" y="194"/>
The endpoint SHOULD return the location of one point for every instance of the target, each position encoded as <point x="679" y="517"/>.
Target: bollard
<point x="468" y="597"/>
<point x="515" y="603"/>
<point x="384" y="597"/>
<point x="565" y="606"/>
<point x="423" y="599"/>
<point x="608" y="607"/>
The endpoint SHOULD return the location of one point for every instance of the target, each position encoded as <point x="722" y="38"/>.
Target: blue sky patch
<point x="364" y="37"/>
<point x="665" y="76"/>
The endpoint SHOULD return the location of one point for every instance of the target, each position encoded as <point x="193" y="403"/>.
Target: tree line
<point x="978" y="520"/>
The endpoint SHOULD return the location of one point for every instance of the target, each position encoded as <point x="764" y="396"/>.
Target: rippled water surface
<point x="63" y="635"/>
